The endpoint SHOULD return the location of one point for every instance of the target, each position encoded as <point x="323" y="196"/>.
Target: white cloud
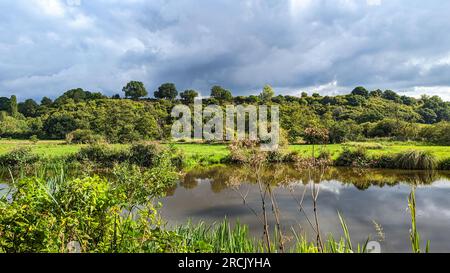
<point x="49" y="7"/>
<point x="373" y="2"/>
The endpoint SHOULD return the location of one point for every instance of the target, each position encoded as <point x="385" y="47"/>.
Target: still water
<point x="373" y="202"/>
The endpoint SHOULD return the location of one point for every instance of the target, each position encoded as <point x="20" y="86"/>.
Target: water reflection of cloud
<point x="387" y="205"/>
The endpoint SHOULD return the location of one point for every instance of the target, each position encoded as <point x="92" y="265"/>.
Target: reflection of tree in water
<point x="171" y="191"/>
<point x="225" y="177"/>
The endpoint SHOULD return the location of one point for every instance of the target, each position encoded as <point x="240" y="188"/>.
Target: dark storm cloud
<point x="48" y="46"/>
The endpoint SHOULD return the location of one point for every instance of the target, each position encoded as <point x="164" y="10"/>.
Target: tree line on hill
<point x="84" y="116"/>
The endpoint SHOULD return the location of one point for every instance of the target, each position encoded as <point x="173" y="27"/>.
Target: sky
<point x="325" y="46"/>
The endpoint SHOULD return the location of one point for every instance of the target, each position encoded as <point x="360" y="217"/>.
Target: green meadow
<point x="216" y="152"/>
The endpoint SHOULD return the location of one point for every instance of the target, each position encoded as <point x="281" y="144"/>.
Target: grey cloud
<point x="293" y="45"/>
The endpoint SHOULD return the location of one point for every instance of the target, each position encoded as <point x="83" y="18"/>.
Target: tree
<point x="428" y="115"/>
<point x="13" y="107"/>
<point x="221" y="94"/>
<point x="356" y="100"/>
<point x="267" y="93"/>
<point x="167" y="91"/>
<point x="46" y="101"/>
<point x="408" y="100"/>
<point x="360" y="91"/>
<point x="59" y="125"/>
<point x="28" y="108"/>
<point x="391" y="95"/>
<point x="135" y="90"/>
<point x="78" y="95"/>
<point x="189" y="96"/>
<point x="304" y="95"/>
<point x="376" y="93"/>
<point x="4" y="104"/>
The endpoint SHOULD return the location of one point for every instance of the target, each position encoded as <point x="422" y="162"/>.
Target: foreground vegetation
<point x="53" y="211"/>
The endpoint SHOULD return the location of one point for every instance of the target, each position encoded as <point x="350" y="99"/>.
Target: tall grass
<point x="219" y="238"/>
<point x="416" y="160"/>
<point x="414" y="233"/>
<point x="222" y="238"/>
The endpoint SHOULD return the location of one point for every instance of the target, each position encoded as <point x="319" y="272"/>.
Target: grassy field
<point x="217" y="152"/>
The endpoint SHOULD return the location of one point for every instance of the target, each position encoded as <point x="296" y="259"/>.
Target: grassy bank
<point x="216" y="152"/>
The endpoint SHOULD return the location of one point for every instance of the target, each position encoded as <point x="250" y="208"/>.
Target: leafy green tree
<point x="408" y="100"/>
<point x="376" y="93"/>
<point x="5" y="104"/>
<point x="347" y="130"/>
<point x="391" y="95"/>
<point x="28" y="108"/>
<point x="360" y="91"/>
<point x="13" y="106"/>
<point x="267" y="93"/>
<point x="189" y="96"/>
<point x="438" y="133"/>
<point x="166" y="91"/>
<point x="78" y="95"/>
<point x="46" y="101"/>
<point x="135" y="90"/>
<point x="356" y="100"/>
<point x="221" y="94"/>
<point x="13" y="127"/>
<point x="59" y="125"/>
<point x="385" y="128"/>
<point x="428" y="115"/>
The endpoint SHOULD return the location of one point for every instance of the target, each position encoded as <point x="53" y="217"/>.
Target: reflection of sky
<point x="385" y="205"/>
<point x="3" y="190"/>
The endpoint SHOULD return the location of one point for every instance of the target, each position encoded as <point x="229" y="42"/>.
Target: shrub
<point x="145" y="155"/>
<point x="83" y="137"/>
<point x="34" y="139"/>
<point x="444" y="164"/>
<point x="292" y="157"/>
<point x="276" y="156"/>
<point x="353" y="158"/>
<point x="438" y="133"/>
<point x="18" y="157"/>
<point x="416" y="160"/>
<point x="385" y="162"/>
<point x="102" y="154"/>
<point x="325" y="155"/>
<point x="178" y="158"/>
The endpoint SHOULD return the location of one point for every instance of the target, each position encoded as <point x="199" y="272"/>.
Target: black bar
<point x="217" y="262"/>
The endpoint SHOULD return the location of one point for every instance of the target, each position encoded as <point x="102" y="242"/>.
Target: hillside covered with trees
<point x="83" y="116"/>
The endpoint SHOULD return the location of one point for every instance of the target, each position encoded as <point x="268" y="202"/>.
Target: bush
<point x="385" y="162"/>
<point x="34" y="139"/>
<point x="18" y="157"/>
<point x="145" y="155"/>
<point x="83" y="137"/>
<point x="416" y="160"/>
<point x="102" y="154"/>
<point x="445" y="164"/>
<point x="44" y="218"/>
<point x="438" y="133"/>
<point x="292" y="157"/>
<point x="353" y="158"/>
<point x="178" y="158"/>
<point x="276" y="156"/>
